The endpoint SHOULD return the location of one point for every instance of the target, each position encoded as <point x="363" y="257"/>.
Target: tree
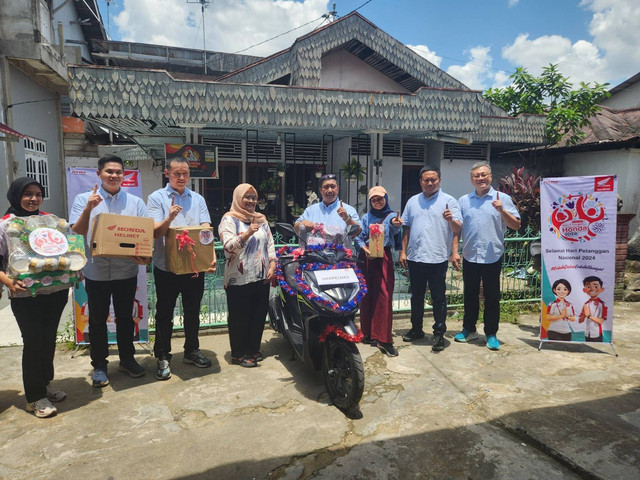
<point x="550" y="94"/>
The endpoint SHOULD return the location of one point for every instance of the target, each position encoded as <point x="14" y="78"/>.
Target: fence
<point x="520" y="282"/>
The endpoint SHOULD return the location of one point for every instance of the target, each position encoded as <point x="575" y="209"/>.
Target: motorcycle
<point x="320" y="290"/>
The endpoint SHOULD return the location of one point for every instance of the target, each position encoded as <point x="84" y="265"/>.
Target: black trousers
<point x="38" y="318"/>
<point x="99" y="294"/>
<point x="435" y="275"/>
<point x="247" y="305"/>
<point x="472" y="275"/>
<point x="168" y="286"/>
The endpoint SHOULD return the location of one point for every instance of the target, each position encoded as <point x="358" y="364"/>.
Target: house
<point x="345" y="91"/>
<point x="37" y="40"/>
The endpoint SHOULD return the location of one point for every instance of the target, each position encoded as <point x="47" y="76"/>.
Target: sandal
<point x="247" y="361"/>
<point x="257" y="357"/>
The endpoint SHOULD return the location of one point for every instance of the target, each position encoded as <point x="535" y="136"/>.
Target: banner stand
<point x="584" y="343"/>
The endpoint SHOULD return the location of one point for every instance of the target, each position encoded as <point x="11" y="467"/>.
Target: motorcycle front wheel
<point x="343" y="373"/>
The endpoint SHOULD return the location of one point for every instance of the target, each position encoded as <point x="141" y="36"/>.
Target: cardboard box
<point x="179" y="261"/>
<point x="121" y="236"/>
<point x="376" y="240"/>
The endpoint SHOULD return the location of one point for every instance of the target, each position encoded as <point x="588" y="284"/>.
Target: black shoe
<point x="412" y="335"/>
<point x="438" y="342"/>
<point x="388" y="349"/>
<point x="197" y="358"/>
<point x="131" y="367"/>
<point x="366" y="340"/>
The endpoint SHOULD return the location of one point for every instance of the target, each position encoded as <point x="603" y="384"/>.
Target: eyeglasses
<point x="480" y="175"/>
<point x="328" y="176"/>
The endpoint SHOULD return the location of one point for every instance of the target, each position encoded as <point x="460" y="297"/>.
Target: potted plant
<point x="290" y="200"/>
<point x="272" y="219"/>
<point x="296" y="211"/>
<point x="270" y="187"/>
<point x="308" y="189"/>
<point x="262" y="203"/>
<point x="319" y="171"/>
<point x="280" y="168"/>
<point x="353" y="170"/>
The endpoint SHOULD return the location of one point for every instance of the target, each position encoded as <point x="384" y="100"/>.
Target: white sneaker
<point x="54" y="394"/>
<point x="42" y="408"/>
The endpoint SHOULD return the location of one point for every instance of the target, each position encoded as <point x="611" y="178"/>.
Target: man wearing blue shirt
<point x="172" y="206"/>
<point x="486" y="214"/>
<point x="109" y="277"/>
<point x="335" y="215"/>
<point x="430" y="219"/>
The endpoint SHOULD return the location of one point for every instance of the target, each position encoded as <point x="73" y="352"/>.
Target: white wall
<point x="343" y="70"/>
<point x="625" y="163"/>
<point x="40" y="120"/>
<point x="456" y="177"/>
<point x="627" y="98"/>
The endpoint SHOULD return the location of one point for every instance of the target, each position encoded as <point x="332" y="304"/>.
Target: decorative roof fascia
<point x="154" y="96"/>
<point x="304" y="58"/>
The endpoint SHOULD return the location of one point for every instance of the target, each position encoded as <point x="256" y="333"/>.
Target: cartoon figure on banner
<point x="594" y="311"/>
<point x="577" y="218"/>
<point x="560" y="312"/>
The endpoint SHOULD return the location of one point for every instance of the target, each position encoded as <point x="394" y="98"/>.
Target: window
<point x="37" y="166"/>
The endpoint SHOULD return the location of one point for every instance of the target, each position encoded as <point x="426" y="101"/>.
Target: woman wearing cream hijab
<point x="251" y="262"/>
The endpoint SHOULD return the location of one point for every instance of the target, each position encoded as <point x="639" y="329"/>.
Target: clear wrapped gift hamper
<point x="44" y="252"/>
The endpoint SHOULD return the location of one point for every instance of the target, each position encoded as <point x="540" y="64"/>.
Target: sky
<point x="478" y="42"/>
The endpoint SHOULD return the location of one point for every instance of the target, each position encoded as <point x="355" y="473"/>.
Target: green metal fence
<point x="519" y="282"/>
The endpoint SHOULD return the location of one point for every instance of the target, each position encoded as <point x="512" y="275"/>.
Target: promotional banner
<point x="203" y="160"/>
<point x="578" y="217"/>
<point x="80" y="180"/>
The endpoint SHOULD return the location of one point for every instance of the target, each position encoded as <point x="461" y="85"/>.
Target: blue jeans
<point x="435" y="275"/>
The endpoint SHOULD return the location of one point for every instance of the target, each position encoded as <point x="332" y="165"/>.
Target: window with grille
<point x="37" y="165"/>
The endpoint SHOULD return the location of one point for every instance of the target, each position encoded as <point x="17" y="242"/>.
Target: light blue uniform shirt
<point x="483" y="227"/>
<point x="328" y="215"/>
<point x="389" y="230"/>
<point x="194" y="212"/>
<point x="430" y="236"/>
<point x="122" y="203"/>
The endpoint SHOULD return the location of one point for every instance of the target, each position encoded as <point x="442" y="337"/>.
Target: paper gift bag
<point x="376" y="240"/>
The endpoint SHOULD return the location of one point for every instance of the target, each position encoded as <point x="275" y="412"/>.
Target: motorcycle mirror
<point x="352" y="229"/>
<point x="285" y="229"/>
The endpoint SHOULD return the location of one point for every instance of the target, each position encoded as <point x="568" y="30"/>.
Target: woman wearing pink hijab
<point x="251" y="263"/>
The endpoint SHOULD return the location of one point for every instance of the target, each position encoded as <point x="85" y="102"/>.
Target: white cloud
<point x="513" y="3"/>
<point x="580" y="61"/>
<point x="476" y="73"/>
<point x="424" y="51"/>
<point x="230" y="25"/>
<point x="612" y="55"/>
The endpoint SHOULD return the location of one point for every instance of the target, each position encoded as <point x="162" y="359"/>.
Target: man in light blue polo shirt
<point x="429" y="221"/>
<point x="335" y="215"/>
<point x="486" y="214"/>
<point x="109" y="277"/>
<point x="176" y="205"/>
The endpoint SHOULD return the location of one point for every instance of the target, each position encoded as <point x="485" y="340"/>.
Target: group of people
<point x="432" y="224"/>
<point x="427" y="235"/>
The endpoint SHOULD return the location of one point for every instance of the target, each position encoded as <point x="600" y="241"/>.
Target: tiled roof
<point x="145" y="101"/>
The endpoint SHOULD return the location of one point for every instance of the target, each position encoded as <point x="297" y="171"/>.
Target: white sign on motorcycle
<point x="339" y="276"/>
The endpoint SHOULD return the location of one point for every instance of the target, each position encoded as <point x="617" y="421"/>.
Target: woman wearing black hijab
<point x="37" y="316"/>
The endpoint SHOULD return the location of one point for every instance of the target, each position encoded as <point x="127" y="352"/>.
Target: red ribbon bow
<point x="375" y="230"/>
<point x="185" y="241"/>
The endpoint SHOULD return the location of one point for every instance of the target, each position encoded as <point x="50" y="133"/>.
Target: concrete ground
<point x="568" y="411"/>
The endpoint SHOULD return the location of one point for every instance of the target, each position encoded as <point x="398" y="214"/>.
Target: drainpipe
<point x="61" y="41"/>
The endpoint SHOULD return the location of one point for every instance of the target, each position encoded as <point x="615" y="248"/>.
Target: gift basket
<point x="44" y="252"/>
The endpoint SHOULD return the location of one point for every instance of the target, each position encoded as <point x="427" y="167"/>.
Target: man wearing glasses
<point x="107" y="278"/>
<point x="429" y="221"/>
<point x="486" y="214"/>
<point x="335" y="215"/>
<point x="176" y="205"/>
